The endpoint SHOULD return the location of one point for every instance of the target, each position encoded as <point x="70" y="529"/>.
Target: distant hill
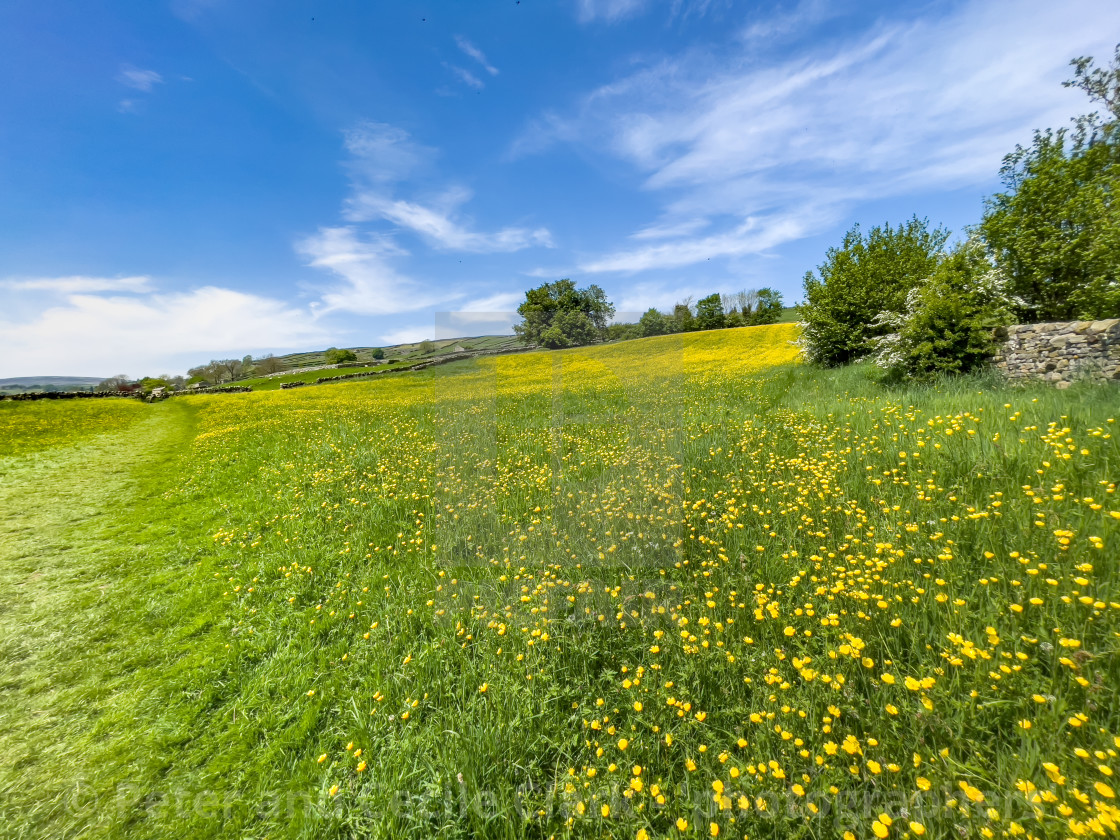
<point x="52" y="383"/>
<point x="401" y="352"/>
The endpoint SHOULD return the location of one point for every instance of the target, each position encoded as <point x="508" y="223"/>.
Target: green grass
<point x="789" y="315"/>
<point x="273" y="383"/>
<point x="30" y="425"/>
<point x="176" y="601"/>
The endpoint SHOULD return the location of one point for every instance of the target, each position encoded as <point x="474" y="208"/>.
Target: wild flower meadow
<point x="675" y="587"/>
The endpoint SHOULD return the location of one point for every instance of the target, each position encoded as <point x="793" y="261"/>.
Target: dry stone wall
<point x="1062" y="352"/>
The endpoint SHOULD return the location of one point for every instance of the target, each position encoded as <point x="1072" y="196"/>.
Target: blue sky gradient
<point x="189" y="179"/>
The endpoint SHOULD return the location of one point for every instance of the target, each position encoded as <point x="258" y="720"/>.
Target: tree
<point x="225" y="370"/>
<point x="377" y="354"/>
<point x="1055" y="231"/>
<point x="334" y="356"/>
<point x="866" y="275"/>
<point x="745" y="302"/>
<point x="653" y="323"/>
<point x="556" y="315"/>
<point x="768" y="306"/>
<point x="426" y="346"/>
<point x="682" y="319"/>
<point x="268" y="364"/>
<point x="114" y="383"/>
<point x="948" y="323"/>
<point x="709" y="313"/>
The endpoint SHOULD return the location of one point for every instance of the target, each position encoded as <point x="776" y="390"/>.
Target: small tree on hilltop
<point x="653" y="323"/>
<point x="866" y="275"/>
<point x="557" y="315"/>
<point x="268" y="364"/>
<point x="768" y="306"/>
<point x="377" y="354"/>
<point x="334" y="356"/>
<point x="709" y="313"/>
<point x="682" y="319"/>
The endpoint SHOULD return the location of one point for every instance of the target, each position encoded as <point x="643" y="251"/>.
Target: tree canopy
<point x="556" y="315"/>
<point x="1055" y="230"/>
<point x="866" y="275"/>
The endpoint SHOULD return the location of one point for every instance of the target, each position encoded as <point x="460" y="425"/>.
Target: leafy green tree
<point x="556" y="315"/>
<point x="653" y="323"/>
<point x="768" y="306"/>
<point x="949" y="321"/>
<point x="334" y="356"/>
<point x="866" y="275"/>
<point x="709" y="313"/>
<point x="426" y="346"/>
<point x="377" y="354"/>
<point x="1055" y="231"/>
<point x="268" y="364"/>
<point x="623" y="332"/>
<point x="682" y="319"/>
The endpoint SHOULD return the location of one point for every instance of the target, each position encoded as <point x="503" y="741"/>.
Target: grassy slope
<point x="273" y="383"/>
<point x="306" y="506"/>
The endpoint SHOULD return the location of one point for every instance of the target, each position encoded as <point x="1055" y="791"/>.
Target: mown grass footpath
<point x="674" y="587"/>
<point x="97" y="636"/>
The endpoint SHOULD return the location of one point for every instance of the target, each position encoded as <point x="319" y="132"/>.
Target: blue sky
<point x="188" y="179"/>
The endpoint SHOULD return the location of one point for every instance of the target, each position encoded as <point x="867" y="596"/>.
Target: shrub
<point x="866" y="275"/>
<point x="334" y="356"/>
<point x="948" y="323"/>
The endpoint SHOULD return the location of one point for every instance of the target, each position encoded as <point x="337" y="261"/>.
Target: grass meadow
<point x="673" y="587"/>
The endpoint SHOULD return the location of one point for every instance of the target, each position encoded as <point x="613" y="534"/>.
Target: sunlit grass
<point x="30" y="425"/>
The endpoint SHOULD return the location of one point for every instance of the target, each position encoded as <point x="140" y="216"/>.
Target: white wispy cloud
<point x="465" y="76"/>
<point x="756" y="235"/>
<point x="381" y="157"/>
<point x="769" y="149"/>
<point x="77" y="284"/>
<point x="793" y="20"/>
<point x="98" y="335"/>
<point x="134" y="77"/>
<point x="474" y="52"/>
<point x="683" y="227"/>
<point x="607" y="10"/>
<point x="500" y="302"/>
<point x="370" y="284"/>
<point x="439" y="229"/>
<point x="408" y="335"/>
<point x="382" y="153"/>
